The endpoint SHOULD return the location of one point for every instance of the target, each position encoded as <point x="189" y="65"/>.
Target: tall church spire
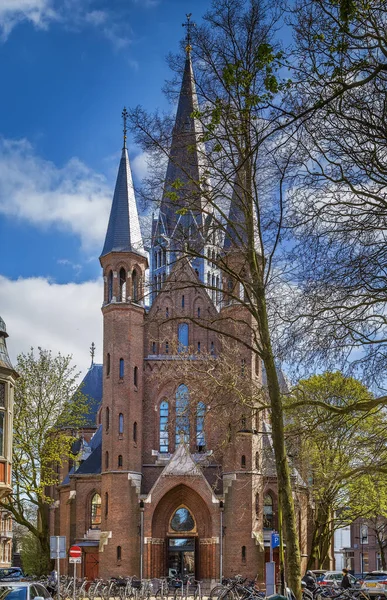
<point x="185" y="171"/>
<point x="123" y="232"/>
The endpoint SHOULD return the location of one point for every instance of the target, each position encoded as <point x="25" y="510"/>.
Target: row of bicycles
<point x="128" y="588"/>
<point x="173" y="588"/>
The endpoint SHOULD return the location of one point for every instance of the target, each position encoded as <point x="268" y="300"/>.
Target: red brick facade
<point x="169" y="438"/>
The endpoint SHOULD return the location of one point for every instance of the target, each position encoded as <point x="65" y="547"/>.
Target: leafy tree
<point x="48" y="410"/>
<point x="237" y="78"/>
<point x="368" y="497"/>
<point x="339" y="453"/>
<point x="338" y="195"/>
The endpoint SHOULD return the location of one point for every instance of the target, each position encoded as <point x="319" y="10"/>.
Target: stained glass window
<point x="96" y="511"/>
<point x="183" y="337"/>
<point x="268" y="514"/>
<point x="164" y="436"/>
<point x="182" y="414"/>
<point x="200" y="436"/>
<point x="182" y="520"/>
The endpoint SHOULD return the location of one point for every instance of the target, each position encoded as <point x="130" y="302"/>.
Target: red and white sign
<point x="75" y="552"/>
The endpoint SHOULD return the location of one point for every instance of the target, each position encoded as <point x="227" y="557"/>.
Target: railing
<point x="6" y="533"/>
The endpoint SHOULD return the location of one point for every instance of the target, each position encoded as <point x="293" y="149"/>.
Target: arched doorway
<point x="182" y="536"/>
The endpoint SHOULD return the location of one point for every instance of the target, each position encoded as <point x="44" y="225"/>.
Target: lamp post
<point x="221" y="508"/>
<point x="141" y="539"/>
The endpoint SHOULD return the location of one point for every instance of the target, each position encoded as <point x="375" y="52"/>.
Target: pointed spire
<point x="187" y="159"/>
<point x="235" y="234"/>
<point x="123" y="232"/>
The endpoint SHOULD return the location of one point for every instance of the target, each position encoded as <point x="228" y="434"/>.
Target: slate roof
<point x="236" y="234"/>
<point x="91" y="386"/>
<point x="186" y="162"/>
<point x="92" y="465"/>
<point x="123" y="232"/>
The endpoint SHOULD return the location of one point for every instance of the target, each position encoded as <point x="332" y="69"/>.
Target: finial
<point x="92" y="353"/>
<point x="124" y="118"/>
<point x="188" y="24"/>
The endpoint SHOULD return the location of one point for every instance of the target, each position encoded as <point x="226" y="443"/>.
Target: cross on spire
<point x="124" y="118"/>
<point x="92" y="352"/>
<point x="189" y="25"/>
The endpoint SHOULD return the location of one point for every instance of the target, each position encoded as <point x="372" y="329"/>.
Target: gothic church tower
<point x="124" y="262"/>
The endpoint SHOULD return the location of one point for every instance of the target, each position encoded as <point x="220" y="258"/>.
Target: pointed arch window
<point x="107" y="418"/>
<point x="96" y="511"/>
<point x="106" y="504"/>
<point x="110" y="286"/>
<point x="135" y="377"/>
<point x="135" y="431"/>
<point x="268" y="513"/>
<point x="257" y="461"/>
<point x="182" y="520"/>
<point x="120" y="460"/>
<point x="122" y="285"/>
<point x="164" y="419"/>
<point x="122" y="368"/>
<point x="121" y="424"/>
<point x="243" y="461"/>
<point x="182" y="333"/>
<point x="135" y="294"/>
<point x="108" y="364"/>
<point x="200" y="435"/>
<point x="182" y="415"/>
<point x="106" y="460"/>
<point x="243" y="554"/>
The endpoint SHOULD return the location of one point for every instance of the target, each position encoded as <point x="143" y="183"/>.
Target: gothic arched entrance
<point x="182" y="541"/>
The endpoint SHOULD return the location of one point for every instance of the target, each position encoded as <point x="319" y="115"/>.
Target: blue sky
<point x="67" y="68"/>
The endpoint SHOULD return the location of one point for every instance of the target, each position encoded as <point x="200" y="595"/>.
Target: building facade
<point x="8" y="378"/>
<point x="166" y="483"/>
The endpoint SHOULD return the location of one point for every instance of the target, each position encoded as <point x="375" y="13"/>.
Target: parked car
<point x="319" y="573"/>
<point x="11" y="574"/>
<point x="375" y="583"/>
<point x="334" y="578"/>
<point x="23" y="590"/>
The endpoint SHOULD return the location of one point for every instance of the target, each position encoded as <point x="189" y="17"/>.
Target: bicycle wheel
<point x="216" y="591"/>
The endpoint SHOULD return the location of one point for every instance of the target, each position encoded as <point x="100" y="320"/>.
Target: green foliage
<point x="32" y="557"/>
<point x="338" y="450"/>
<point x="48" y="411"/>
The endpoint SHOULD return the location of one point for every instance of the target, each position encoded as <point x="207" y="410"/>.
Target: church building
<point x="162" y="484"/>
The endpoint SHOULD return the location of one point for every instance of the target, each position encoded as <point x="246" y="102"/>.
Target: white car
<point x="375" y="583"/>
<point x="333" y="579"/>
<point x="23" y="590"/>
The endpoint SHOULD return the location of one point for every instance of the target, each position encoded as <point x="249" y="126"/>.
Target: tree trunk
<point x="285" y="495"/>
<point x="44" y="540"/>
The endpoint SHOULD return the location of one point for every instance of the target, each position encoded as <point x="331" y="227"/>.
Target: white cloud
<point x="71" y="14"/>
<point x="73" y="198"/>
<point x="139" y="166"/>
<point x="38" y="12"/>
<point x="62" y="318"/>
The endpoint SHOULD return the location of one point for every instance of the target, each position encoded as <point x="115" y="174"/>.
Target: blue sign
<point x="275" y="540"/>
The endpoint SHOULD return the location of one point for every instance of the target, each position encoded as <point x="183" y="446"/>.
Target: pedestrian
<point x="310" y="580"/>
<point x="345" y="582"/>
<point x="52" y="582"/>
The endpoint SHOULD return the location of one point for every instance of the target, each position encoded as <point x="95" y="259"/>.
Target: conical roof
<point x="5" y="361"/>
<point x="186" y="164"/>
<point x="235" y="234"/>
<point x="123" y="232"/>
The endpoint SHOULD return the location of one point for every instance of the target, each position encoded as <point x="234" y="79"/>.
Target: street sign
<point x="75" y="561"/>
<point x="75" y="552"/>
<point x="58" y="546"/>
<point x="275" y="540"/>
